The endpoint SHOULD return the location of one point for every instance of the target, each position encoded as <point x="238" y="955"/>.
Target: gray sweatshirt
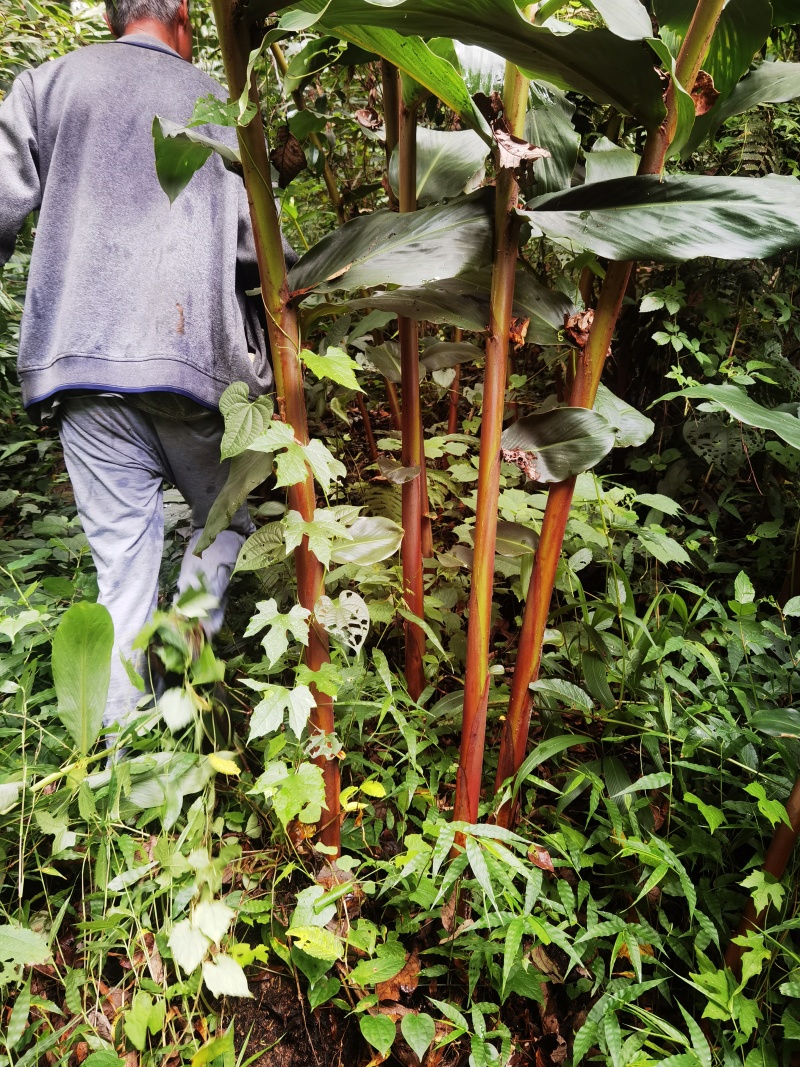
<point x="126" y="293"/>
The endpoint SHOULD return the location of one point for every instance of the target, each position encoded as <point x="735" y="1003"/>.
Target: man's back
<point x="126" y="292"/>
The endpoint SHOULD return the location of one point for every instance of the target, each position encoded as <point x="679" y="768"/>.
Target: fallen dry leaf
<point x="513" y="151"/>
<point x="368" y="117"/>
<point x="518" y="332"/>
<point x="526" y="461"/>
<point x="287" y="157"/>
<point x="540" y="858"/>
<point x="404" y="982"/>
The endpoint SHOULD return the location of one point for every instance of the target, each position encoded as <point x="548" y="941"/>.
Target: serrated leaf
<point x="225" y="978"/>
<point x="213" y="918"/>
<point x="335" y="365"/>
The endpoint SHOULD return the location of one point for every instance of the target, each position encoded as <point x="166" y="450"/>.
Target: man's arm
<point x="20" y="187"/>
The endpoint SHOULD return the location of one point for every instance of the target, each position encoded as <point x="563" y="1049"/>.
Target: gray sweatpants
<point x="118" y="457"/>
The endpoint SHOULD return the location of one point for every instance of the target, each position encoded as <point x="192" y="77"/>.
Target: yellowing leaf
<point x="223" y="766"/>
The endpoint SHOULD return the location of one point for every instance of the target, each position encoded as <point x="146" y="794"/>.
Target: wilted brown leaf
<point x="540" y="858"/>
<point x="287" y="157"/>
<point x="518" y="332"/>
<point x="513" y="151"/>
<point x="577" y="327"/>
<point x="526" y="461"/>
<point x="704" y="94"/>
<point x="368" y="117"/>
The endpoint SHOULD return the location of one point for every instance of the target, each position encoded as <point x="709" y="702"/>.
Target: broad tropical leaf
<point x="444" y="354"/>
<point x="181" y="152"/>
<point x="630" y="427"/>
<point x="421" y="246"/>
<point x="246" y="472"/>
<point x="464" y="302"/>
<point x="676" y="217"/>
<point x="553" y="445"/>
<point x="742" y="29"/>
<point x="81" y="670"/>
<point x="785" y="11"/>
<point x="607" y="160"/>
<point x="548" y="124"/>
<point x="600" y="64"/>
<point x="625" y="18"/>
<point x="740" y="406"/>
<point x="446" y="161"/>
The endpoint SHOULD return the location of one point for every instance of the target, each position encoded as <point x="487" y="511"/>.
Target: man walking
<point x="134" y="323"/>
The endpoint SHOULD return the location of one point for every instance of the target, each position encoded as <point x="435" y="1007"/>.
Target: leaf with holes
<point x="347" y="621"/>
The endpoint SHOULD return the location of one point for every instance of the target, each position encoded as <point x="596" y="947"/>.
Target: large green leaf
<point x="785" y="11"/>
<point x="81" y="669"/>
<point x="740" y="406"/>
<point x="414" y="58"/>
<point x="464" y="302"/>
<point x="247" y="471"/>
<point x="446" y="161"/>
<point x="598" y="63"/>
<point x="629" y="426"/>
<point x="381" y="248"/>
<point x="559" y="443"/>
<point x="607" y="160"/>
<point x="181" y="152"/>
<point x="743" y="27"/>
<point x="625" y="18"/>
<point x="771" y="83"/>
<point x="483" y="71"/>
<point x="679" y="217"/>
<point x="548" y="124"/>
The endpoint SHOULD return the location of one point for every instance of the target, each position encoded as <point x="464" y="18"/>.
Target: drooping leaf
<point x="81" y="670"/>
<point x="372" y="539"/>
<point x="607" y="160"/>
<point x="625" y="18"/>
<point x="515" y="540"/>
<point x="675" y="218"/>
<point x="598" y="63"/>
<point x="181" y="152"/>
<point x="684" y="102"/>
<point x="420" y="246"/>
<point x="739" y="405"/>
<point x="246" y="472"/>
<point x="742" y="29"/>
<point x="559" y="443"/>
<point x="446" y="161"/>
<point x="444" y="354"/>
<point x="630" y="427"/>
<point x="144" y="1016"/>
<point x="465" y="302"/>
<point x="548" y="123"/>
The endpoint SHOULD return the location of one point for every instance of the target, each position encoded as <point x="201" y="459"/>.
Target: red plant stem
<point x="412" y="452"/>
<point x="391" y="120"/>
<point x="455" y="389"/>
<point x="371" y="445"/>
<point x="778" y="853"/>
<point x="393" y="400"/>
<point x="284" y="339"/>
<point x="476" y="687"/>
<point x="589" y="369"/>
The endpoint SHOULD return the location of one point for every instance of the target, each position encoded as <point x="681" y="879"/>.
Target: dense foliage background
<point x="665" y="739"/>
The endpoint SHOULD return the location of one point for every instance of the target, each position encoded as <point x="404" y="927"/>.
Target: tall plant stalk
<point x="411" y="414"/>
<point x="284" y="337"/>
<point x="588" y="371"/>
<point x="476" y="689"/>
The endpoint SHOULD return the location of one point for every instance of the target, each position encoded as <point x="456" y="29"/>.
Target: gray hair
<point x="121" y="13"/>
